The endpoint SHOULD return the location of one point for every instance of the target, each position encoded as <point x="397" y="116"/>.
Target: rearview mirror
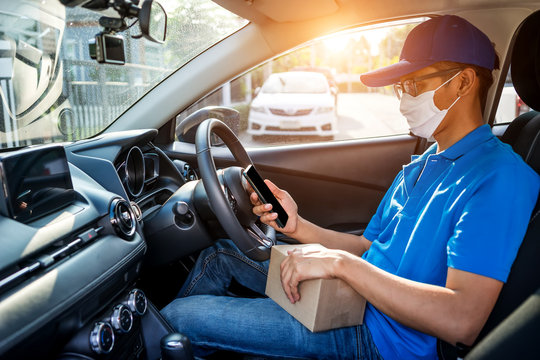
<point x="153" y="21"/>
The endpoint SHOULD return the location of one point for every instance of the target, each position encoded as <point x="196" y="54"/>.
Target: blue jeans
<point x="215" y="321"/>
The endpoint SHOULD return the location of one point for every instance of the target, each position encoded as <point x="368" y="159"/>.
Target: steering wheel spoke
<point x="230" y="198"/>
<point x="260" y="236"/>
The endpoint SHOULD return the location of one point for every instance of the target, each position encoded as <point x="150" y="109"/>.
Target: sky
<point x="374" y="35"/>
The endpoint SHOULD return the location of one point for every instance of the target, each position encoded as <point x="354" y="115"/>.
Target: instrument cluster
<point x="138" y="170"/>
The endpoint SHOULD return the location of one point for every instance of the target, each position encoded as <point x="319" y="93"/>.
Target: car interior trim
<point x="46" y="305"/>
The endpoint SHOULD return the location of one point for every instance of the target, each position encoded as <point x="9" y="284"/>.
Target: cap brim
<point x="389" y="75"/>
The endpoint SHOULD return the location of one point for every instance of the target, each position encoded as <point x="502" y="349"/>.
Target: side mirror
<point x="153" y="21"/>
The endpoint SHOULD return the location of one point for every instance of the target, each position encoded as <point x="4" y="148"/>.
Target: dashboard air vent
<point x="122" y="218"/>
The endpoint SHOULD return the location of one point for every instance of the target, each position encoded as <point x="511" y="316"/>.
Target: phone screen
<point x="265" y="195"/>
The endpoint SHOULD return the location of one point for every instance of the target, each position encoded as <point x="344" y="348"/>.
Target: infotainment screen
<point x="36" y="182"/>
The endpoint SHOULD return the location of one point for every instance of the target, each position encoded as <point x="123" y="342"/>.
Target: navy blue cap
<point x="443" y="38"/>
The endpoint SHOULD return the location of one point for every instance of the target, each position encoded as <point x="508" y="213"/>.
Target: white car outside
<point x="510" y="105"/>
<point x="294" y="103"/>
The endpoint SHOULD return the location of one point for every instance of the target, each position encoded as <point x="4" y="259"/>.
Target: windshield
<point x="52" y="91"/>
<point x="296" y="83"/>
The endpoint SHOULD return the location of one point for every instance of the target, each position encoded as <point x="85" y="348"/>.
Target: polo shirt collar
<point x="479" y="135"/>
<point x="412" y="171"/>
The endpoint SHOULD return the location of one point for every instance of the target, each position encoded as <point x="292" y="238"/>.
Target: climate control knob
<point x="122" y="318"/>
<point x="102" y="338"/>
<point x="137" y="301"/>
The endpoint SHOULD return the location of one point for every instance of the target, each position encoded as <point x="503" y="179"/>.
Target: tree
<point x="196" y="25"/>
<point x="391" y="45"/>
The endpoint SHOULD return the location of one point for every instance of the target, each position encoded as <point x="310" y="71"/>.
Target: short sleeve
<point x="373" y="229"/>
<point x="493" y="222"/>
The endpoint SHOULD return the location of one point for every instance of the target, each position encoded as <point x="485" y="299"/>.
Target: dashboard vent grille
<point x="47" y="259"/>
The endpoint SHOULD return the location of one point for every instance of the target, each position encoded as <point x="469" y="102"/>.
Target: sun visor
<point x="295" y="10"/>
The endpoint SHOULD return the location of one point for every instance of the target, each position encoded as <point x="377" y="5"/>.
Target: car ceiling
<point x="314" y="18"/>
<point x="280" y="25"/>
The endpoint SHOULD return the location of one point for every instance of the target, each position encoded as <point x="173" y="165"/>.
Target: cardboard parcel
<point x="324" y="303"/>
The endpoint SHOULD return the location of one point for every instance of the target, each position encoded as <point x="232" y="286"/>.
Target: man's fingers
<point x="287" y="273"/>
<point x="262" y="209"/>
<point x="254" y="198"/>
<point x="268" y="218"/>
<point x="285" y="281"/>
<point x="292" y="285"/>
<point x="290" y="277"/>
<point x="294" y="290"/>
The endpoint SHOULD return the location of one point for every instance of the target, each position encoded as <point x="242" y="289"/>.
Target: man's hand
<point x="300" y="229"/>
<point x="268" y="217"/>
<point x="307" y="263"/>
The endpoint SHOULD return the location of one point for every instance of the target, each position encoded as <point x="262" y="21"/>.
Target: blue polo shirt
<point x="467" y="208"/>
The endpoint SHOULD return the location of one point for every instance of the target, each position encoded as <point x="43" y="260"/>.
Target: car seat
<point x="502" y="338"/>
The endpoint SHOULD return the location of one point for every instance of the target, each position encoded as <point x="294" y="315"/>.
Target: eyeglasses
<point x="409" y="86"/>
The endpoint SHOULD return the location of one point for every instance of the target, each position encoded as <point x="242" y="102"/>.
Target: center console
<point x="131" y="328"/>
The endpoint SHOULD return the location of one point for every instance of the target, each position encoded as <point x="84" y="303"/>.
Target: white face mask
<point x="421" y="113"/>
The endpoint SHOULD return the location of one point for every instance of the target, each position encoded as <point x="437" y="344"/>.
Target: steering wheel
<point x="233" y="212"/>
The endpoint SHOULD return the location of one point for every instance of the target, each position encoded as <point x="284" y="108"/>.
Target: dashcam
<point x="107" y="48"/>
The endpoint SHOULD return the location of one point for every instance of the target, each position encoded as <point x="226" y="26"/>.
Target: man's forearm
<point x="307" y="233"/>
<point x="454" y="315"/>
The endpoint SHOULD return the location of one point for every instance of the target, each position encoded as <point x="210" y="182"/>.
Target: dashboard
<point x="76" y="231"/>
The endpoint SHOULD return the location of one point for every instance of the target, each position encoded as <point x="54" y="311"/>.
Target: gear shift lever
<point x="175" y="346"/>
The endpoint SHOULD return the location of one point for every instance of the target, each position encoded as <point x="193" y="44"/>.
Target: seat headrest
<point x="526" y="61"/>
<point x="513" y="131"/>
<point x="527" y="143"/>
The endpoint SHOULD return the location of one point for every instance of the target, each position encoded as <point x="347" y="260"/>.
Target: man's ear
<point x="468" y="81"/>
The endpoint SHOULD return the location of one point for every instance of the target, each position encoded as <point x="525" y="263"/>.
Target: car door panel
<point x="336" y="185"/>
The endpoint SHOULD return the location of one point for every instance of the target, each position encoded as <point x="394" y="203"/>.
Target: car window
<point x="51" y="90"/>
<point x="314" y="93"/>
<point x="510" y="104"/>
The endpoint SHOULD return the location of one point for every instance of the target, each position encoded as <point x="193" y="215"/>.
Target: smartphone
<point x="265" y="195"/>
